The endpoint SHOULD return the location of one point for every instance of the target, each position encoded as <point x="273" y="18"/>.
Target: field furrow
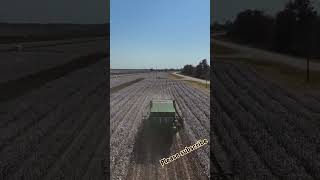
<point x="265" y="130"/>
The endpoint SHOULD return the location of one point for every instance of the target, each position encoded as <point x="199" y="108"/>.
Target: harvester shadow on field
<point x="152" y="144"/>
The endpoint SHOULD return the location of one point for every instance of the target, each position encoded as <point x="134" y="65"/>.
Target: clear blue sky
<point x="159" y="33"/>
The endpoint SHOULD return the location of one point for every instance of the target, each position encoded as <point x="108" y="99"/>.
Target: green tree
<point x="294" y="27"/>
<point x="188" y="70"/>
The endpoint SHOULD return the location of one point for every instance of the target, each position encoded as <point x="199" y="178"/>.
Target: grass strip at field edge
<point x="193" y="83"/>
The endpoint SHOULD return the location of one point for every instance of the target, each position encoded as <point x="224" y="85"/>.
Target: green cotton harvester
<point x="163" y="115"/>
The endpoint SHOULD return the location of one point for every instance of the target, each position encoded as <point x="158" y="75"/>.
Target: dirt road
<point x="191" y="78"/>
<point x="267" y="56"/>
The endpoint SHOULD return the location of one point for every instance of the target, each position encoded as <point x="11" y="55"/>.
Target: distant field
<point x="127" y="71"/>
<point x="17" y="87"/>
<point x="132" y="71"/>
<point x="39" y="56"/>
<point x="11" y="33"/>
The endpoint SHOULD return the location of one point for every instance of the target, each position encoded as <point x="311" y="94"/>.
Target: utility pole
<point x="310" y="47"/>
<point x="308" y="69"/>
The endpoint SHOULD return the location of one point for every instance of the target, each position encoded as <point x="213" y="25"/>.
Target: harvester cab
<point x="163" y="115"/>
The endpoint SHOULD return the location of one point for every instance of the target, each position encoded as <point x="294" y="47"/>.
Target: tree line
<point x="202" y="70"/>
<point x="293" y="30"/>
